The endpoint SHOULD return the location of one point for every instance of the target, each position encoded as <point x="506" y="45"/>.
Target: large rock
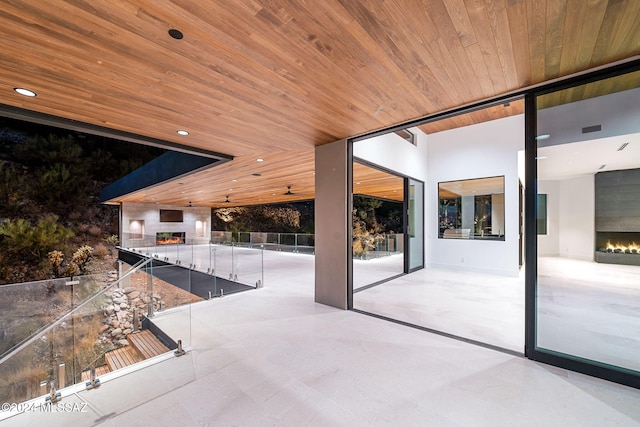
<point x="123" y="342"/>
<point x="122" y="316"/>
<point x="116" y="332"/>
<point x="109" y="309"/>
<point x="116" y="308"/>
<point x="129" y="289"/>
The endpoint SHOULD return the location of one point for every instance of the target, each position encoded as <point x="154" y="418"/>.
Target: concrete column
<point x="332" y="219"/>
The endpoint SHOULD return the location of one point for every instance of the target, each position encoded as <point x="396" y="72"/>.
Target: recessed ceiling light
<point x="273" y="194"/>
<point x="182" y="132"/>
<point x="25" y="92"/>
<point x="357" y="183"/>
<point x="234" y="180"/>
<point x="542" y="137"/>
<point x="176" y="34"/>
<point x="259" y="160"/>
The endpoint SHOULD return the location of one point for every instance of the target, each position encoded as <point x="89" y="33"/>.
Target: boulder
<point x="122" y="316"/>
<point x="116" y="332"/>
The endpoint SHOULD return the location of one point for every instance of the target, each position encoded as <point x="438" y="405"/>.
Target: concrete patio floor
<point x="273" y="357"/>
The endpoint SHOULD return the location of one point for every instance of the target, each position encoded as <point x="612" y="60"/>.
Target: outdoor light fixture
<point x="182" y="132"/>
<point x="25" y="92"/>
<point x="542" y="137"/>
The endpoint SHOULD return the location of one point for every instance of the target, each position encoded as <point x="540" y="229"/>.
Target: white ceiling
<point x="581" y="158"/>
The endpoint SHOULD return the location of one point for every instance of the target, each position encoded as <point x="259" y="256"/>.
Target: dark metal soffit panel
<point x="168" y="166"/>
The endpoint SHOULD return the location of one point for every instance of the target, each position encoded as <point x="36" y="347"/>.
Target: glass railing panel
<point x="94" y="329"/>
<point x="28" y="374"/>
<point x="248" y="268"/>
<point x="221" y="237"/>
<point x="288" y="239"/>
<point x="305" y="243"/>
<point x="171" y="291"/>
<point x="28" y="307"/>
<point x="97" y="320"/>
<point x="137" y="241"/>
<point x="244" y="238"/>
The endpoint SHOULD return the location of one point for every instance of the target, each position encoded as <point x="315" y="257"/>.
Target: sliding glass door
<point x="587" y="295"/>
<point x="415" y="224"/>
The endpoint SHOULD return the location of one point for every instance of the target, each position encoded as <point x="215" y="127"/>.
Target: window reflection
<point x="472" y="209"/>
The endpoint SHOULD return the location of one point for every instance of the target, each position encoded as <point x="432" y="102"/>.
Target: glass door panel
<point x="378" y="240"/>
<point x="415" y="227"/>
<point x="588" y="223"/>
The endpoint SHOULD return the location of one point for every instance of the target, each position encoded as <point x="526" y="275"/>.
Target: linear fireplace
<point x="617" y="217"/>
<point x="170" y="238"/>
<point x="618" y="248"/>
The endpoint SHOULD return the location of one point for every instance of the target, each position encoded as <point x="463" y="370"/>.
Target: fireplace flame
<point x="170" y="241"/>
<point x="626" y="247"/>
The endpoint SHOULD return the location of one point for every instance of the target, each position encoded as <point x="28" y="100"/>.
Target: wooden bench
<point x="146" y="344"/>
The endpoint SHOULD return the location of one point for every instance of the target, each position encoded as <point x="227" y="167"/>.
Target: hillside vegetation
<point x="50" y="181"/>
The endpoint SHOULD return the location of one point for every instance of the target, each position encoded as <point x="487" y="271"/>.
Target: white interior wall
<point x="394" y="153"/>
<point x="150" y="214"/>
<point x="577" y="217"/>
<point x="483" y="150"/>
<point x="570" y="218"/>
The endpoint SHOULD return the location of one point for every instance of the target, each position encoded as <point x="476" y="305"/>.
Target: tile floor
<point x="272" y="357"/>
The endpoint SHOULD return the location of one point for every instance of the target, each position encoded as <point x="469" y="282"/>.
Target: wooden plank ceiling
<point x="253" y="78"/>
<point x="368" y="181"/>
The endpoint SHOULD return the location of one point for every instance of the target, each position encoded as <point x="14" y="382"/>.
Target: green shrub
<point x="20" y="239"/>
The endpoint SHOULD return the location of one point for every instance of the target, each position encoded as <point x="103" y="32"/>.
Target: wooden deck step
<point x="100" y="370"/>
<point x="121" y="357"/>
<point x="147" y="344"/>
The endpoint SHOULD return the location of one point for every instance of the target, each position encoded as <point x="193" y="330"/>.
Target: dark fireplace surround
<point x="170" y="238"/>
<point x="617" y="202"/>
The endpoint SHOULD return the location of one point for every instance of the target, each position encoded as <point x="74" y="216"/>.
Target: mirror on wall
<point x="471" y="209"/>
